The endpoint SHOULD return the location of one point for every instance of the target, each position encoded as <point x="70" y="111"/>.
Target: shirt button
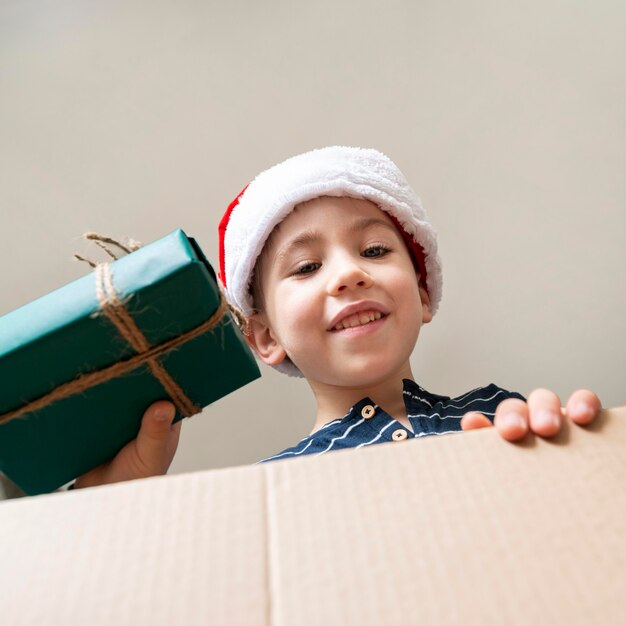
<point x="368" y="411"/>
<point x="399" y="435"/>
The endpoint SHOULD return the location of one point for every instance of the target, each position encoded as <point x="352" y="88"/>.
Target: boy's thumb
<point x="157" y="438"/>
<point x="159" y="416"/>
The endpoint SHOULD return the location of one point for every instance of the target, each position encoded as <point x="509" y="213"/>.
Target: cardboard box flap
<point x="186" y="549"/>
<point x="455" y="529"/>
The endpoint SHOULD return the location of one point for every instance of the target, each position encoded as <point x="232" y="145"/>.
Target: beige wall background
<point x="139" y="117"/>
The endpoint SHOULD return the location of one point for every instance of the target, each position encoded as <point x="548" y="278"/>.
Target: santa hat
<point x="333" y="171"/>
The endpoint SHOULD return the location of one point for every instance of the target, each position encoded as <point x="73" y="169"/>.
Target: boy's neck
<point x="334" y="402"/>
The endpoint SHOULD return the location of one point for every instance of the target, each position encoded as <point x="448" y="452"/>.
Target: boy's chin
<point x="359" y="375"/>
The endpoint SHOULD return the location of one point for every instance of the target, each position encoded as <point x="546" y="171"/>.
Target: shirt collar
<point x="415" y="397"/>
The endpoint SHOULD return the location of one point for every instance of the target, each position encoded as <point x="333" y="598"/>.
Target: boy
<point x="332" y="260"/>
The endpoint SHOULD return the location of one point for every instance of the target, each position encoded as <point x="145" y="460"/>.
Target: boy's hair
<point x="334" y="171"/>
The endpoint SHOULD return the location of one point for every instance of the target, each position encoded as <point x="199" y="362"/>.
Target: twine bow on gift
<point x="114" y="308"/>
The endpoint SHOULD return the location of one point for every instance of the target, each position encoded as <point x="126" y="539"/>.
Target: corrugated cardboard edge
<point x="456" y="529"/>
<point x="185" y="549"/>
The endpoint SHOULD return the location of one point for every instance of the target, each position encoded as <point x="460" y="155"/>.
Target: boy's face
<point x="329" y="268"/>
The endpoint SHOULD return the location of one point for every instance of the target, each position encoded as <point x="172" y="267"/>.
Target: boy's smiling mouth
<point x="358" y="319"/>
<point x="357" y="314"/>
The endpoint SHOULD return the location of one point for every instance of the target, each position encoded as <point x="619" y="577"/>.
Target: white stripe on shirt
<point x="500" y="391"/>
<point x="469" y="393"/>
<point x="445" y="417"/>
<point x="332" y="443"/>
<point x="367" y="443"/>
<point x="445" y="432"/>
<point x="286" y="453"/>
<point x="453" y="406"/>
<point x="408" y="393"/>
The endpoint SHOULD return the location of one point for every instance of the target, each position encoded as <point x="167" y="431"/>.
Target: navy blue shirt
<point x="367" y="423"/>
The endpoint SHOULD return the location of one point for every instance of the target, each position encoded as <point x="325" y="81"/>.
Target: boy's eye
<point x="375" y="251"/>
<point x="307" y="268"/>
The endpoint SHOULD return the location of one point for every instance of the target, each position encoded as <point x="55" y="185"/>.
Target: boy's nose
<point x="349" y="277"/>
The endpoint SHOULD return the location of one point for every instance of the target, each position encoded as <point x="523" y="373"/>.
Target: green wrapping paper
<point x="168" y="288"/>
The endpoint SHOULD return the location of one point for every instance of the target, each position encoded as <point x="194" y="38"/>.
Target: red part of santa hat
<point x="221" y="231"/>
<point x="333" y="171"/>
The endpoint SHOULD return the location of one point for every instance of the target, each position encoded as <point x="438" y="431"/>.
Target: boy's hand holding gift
<point x="542" y="414"/>
<point x="149" y="454"/>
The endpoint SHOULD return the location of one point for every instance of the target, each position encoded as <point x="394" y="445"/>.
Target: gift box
<point x="80" y="365"/>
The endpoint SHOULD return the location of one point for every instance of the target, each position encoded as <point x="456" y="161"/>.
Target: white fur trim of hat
<point x="333" y="171"/>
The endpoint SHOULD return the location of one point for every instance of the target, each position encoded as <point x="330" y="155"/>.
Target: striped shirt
<point x="429" y="414"/>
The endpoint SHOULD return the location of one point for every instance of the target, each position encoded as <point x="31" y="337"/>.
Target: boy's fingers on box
<point x="544" y="412"/>
<point x="473" y="420"/>
<point x="511" y="419"/>
<point x="583" y="406"/>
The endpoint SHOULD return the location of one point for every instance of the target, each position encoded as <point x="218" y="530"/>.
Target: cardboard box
<point x="456" y="529"/>
<point x="155" y="296"/>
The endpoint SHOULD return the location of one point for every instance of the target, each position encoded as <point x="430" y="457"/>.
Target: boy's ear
<point x="262" y="340"/>
<point x="427" y="314"/>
